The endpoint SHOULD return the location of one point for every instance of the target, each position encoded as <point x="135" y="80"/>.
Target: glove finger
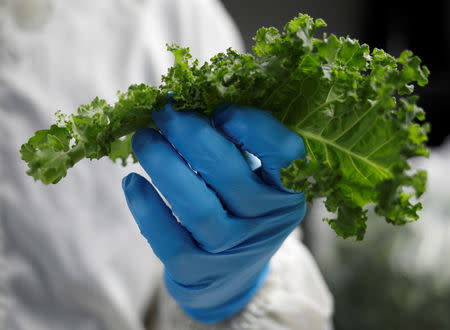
<point x="219" y="163"/>
<point x="192" y="201"/>
<point x="264" y="136"/>
<point x="165" y="235"/>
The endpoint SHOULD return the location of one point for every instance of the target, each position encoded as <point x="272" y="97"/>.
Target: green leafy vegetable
<point x="353" y="107"/>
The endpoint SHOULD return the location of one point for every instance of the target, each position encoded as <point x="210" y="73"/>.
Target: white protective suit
<point x="71" y="256"/>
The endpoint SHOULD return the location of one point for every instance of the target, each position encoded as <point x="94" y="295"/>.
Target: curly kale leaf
<point x="96" y="130"/>
<point x="353" y="107"/>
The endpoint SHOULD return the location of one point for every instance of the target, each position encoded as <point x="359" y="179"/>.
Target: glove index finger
<point x="261" y="134"/>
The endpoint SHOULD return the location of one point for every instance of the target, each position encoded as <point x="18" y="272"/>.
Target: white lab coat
<point x="71" y="256"/>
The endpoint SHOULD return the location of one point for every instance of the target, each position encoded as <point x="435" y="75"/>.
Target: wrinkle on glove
<point x="232" y="219"/>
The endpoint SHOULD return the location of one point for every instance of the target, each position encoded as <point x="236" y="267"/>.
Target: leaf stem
<point x="77" y="153"/>
<point x="131" y="125"/>
<point x="127" y="126"/>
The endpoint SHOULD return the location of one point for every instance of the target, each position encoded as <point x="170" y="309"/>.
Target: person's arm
<point x="294" y="296"/>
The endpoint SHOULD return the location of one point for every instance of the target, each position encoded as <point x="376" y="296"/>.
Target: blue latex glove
<point x="233" y="219"/>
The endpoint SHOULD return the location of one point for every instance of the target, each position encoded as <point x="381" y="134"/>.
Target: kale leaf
<point x="353" y="107"/>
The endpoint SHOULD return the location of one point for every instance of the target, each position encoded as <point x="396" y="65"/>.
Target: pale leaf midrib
<point x="385" y="171"/>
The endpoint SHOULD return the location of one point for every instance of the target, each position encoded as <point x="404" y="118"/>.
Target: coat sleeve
<point x="294" y="296"/>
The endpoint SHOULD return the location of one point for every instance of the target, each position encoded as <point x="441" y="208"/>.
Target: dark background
<point x="394" y="25"/>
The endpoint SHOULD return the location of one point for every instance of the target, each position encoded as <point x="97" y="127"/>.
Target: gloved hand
<point x="232" y="219"/>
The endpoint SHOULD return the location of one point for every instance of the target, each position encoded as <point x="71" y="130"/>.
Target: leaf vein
<point x="385" y="172"/>
<point x="356" y="121"/>
<point x="357" y="169"/>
